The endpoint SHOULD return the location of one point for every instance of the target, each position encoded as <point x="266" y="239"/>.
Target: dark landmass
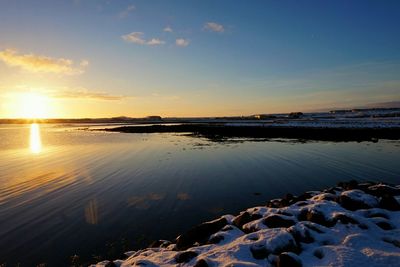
<point x="373" y="112"/>
<point x="216" y="131"/>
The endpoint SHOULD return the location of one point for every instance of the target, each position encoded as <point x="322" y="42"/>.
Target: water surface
<point x="65" y="191"/>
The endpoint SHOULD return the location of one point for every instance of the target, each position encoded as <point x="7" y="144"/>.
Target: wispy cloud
<point x="168" y="29"/>
<point x="155" y="41"/>
<point x="137" y="38"/>
<point x="38" y="63"/>
<point x="214" y="27"/>
<point x="134" y="37"/>
<point x="68" y="93"/>
<point x="83" y="93"/>
<point x="182" y="42"/>
<point x="125" y="13"/>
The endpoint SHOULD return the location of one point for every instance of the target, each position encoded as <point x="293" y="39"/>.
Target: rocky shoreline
<point x="348" y="225"/>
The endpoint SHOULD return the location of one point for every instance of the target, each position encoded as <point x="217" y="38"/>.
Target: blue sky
<point x="216" y="58"/>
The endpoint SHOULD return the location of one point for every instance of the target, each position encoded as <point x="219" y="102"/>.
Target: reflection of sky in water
<point x="86" y="189"/>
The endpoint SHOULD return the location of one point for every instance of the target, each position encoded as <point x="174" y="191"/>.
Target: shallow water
<point x="65" y="191"/>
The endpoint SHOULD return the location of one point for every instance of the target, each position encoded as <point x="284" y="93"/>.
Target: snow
<point x="336" y="237"/>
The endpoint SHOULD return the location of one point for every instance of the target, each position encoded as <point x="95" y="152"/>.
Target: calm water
<point x="64" y="191"/>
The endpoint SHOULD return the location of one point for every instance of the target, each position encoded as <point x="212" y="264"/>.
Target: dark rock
<point x="244" y="218"/>
<point x="394" y="242"/>
<point x="289" y="197"/>
<point x="301" y="236"/>
<point x="227" y="228"/>
<point x="352" y="204"/>
<point x="288" y="259"/>
<point x="304" y="196"/>
<point x="201" y="263"/>
<point x="141" y="263"/>
<point x="382" y="189"/>
<point x="283" y="203"/>
<point x="302" y="216"/>
<point x="251" y="229"/>
<point x="259" y="251"/>
<point x="350" y="185"/>
<point x="275" y="203"/>
<point x="200" y="233"/>
<point x="344" y="219"/>
<point x="333" y="190"/>
<point x="316" y="216"/>
<point x="328" y="197"/>
<point x="327" y="242"/>
<point x="185" y="256"/>
<point x="389" y="202"/>
<point x="285" y="213"/>
<point x="384" y="225"/>
<point x="301" y="203"/>
<point x="314" y="228"/>
<point x="290" y="246"/>
<point x="275" y="221"/>
<point x="160" y="244"/>
<point x="318" y="253"/>
<point x="363" y="226"/>
<point x="110" y="264"/>
<point x="215" y="239"/>
<point x="377" y="214"/>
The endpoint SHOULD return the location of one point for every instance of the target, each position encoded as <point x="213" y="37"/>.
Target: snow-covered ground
<point x="349" y="225"/>
<point x="324" y="123"/>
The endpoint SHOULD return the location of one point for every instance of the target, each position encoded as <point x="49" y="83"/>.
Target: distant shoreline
<point x="221" y="131"/>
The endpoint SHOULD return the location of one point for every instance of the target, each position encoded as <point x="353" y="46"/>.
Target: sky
<point x="107" y="58"/>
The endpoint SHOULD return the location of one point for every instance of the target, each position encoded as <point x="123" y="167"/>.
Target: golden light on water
<point x="35" y="139"/>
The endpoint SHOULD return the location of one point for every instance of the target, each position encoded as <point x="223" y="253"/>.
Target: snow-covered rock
<point x="341" y="226"/>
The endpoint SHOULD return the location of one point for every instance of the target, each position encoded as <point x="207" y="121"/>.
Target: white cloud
<point x="125" y="13"/>
<point x="214" y="27"/>
<point x="137" y="38"/>
<point x="79" y="93"/>
<point x="155" y="41"/>
<point x="38" y="63"/>
<point x="134" y="37"/>
<point x="182" y="42"/>
<point x="168" y="29"/>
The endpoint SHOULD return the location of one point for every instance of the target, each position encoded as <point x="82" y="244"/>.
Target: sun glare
<point x="33" y="106"/>
<point x="35" y="139"/>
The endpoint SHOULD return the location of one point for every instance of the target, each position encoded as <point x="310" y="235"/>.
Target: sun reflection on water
<point x="35" y="139"/>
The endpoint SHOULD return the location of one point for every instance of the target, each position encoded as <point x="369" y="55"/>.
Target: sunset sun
<point x="32" y="105"/>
